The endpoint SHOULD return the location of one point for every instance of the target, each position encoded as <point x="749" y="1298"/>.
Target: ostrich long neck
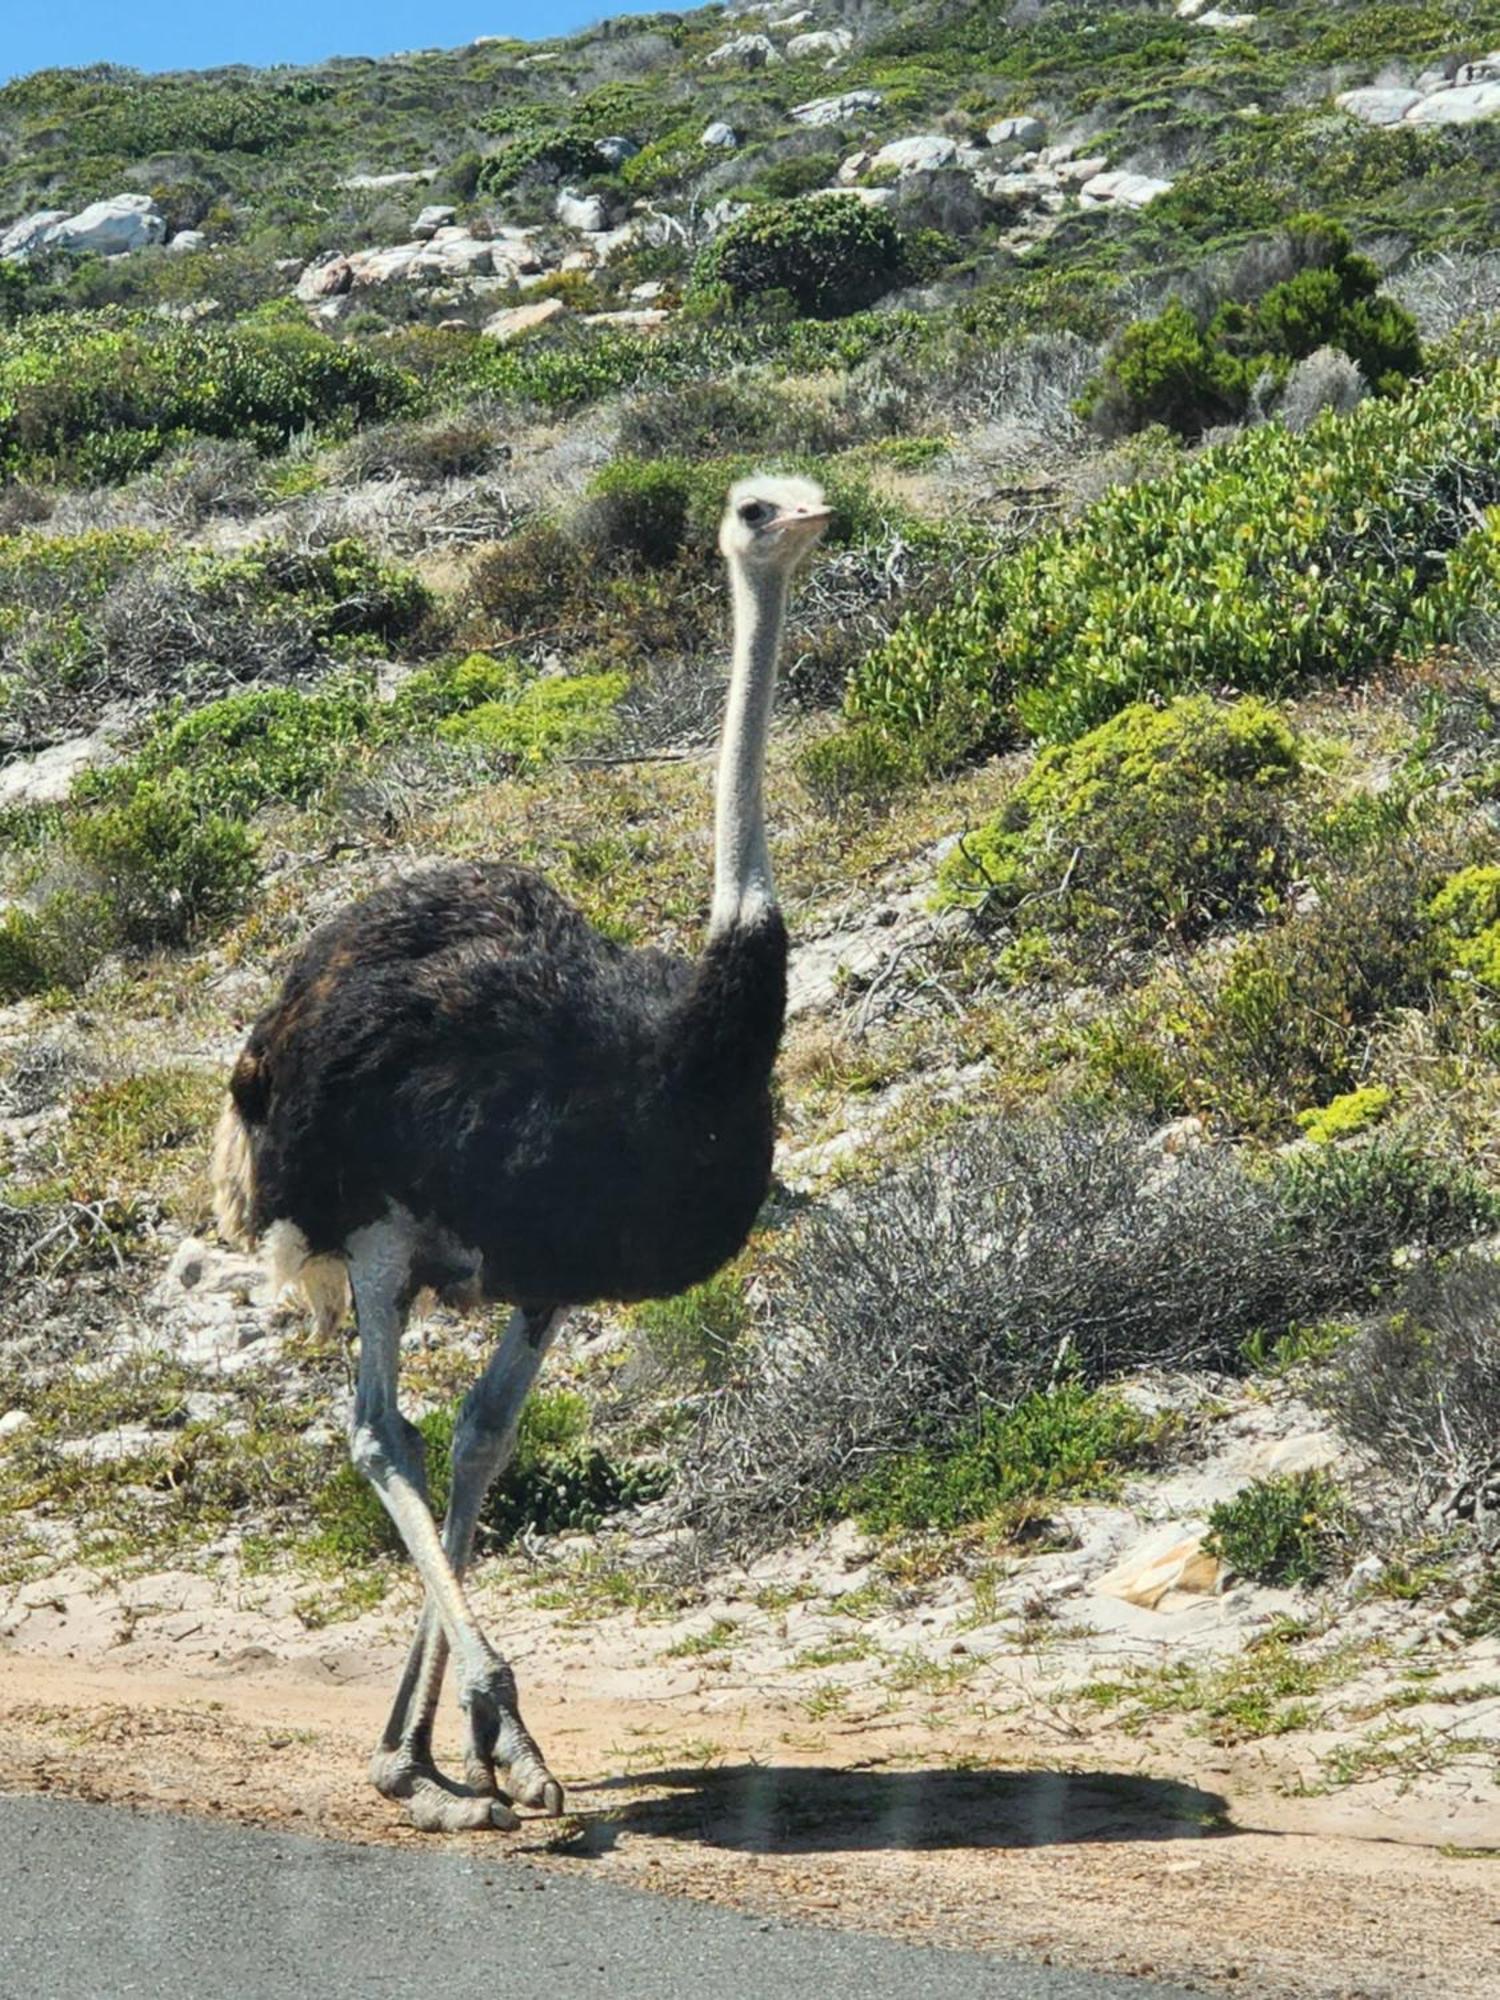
<point x="743" y="889"/>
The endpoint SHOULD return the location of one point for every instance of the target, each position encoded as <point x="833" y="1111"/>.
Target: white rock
<point x="1463" y="106"/>
<point x="14" y="1422"/>
<point x="584" y="258"/>
<point x="836" y="110"/>
<point x="290" y="268"/>
<point x="1215" y="17"/>
<point x="1166" y="1561"/>
<point x="719" y="134"/>
<point x="583" y="212"/>
<point x="186" y="240"/>
<point x="433" y="218"/>
<point x="722" y="214"/>
<point x="111" y="228"/>
<point x="516" y="320"/>
<point x="922" y="154"/>
<point x="1016" y="132"/>
<point x="753" y="51"/>
<point x="876" y="197"/>
<point x="325" y="281"/>
<point x="46" y="778"/>
<point x="616" y="148"/>
<point x="648" y="293"/>
<point x="1073" y="173"/>
<point x="379" y="267"/>
<point x="1134" y="190"/>
<point x="454" y="255"/>
<point x="644" y="320"/>
<point x="26" y="235"/>
<point x="822" y="42"/>
<point x="1377" y="106"/>
<point x="1188" y="10"/>
<point x="364" y="183"/>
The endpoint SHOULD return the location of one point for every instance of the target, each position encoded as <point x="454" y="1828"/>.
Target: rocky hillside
<point x="363" y="430"/>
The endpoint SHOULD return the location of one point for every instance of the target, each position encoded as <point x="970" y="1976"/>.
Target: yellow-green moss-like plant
<point x="1162" y="822"/>
<point x="1466" y="911"/>
<point x="1355" y="1111"/>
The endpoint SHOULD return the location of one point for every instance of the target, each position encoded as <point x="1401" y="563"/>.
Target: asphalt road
<point x="97" y="1903"/>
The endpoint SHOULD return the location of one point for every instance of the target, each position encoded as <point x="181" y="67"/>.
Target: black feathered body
<point x="591" y="1122"/>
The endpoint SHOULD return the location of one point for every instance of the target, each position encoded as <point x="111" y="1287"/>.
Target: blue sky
<point x="187" y="34"/>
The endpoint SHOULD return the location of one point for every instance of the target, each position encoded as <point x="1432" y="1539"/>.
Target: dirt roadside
<point x="966" y="1827"/>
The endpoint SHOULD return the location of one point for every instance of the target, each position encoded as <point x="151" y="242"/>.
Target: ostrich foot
<point x="502" y="1753"/>
<point x="435" y="1804"/>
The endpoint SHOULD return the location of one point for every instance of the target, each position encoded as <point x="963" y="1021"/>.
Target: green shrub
<point x="696" y="1337"/>
<point x="1356" y="1111"/>
<point x="100" y="396"/>
<point x="638" y="512"/>
<point x="1466" y="913"/>
<point x="1282" y="1531"/>
<point x="23" y="968"/>
<point x="560" y="715"/>
<point x="1172" y="370"/>
<point x="268" y="746"/>
<point x="1263" y="564"/>
<point x="1069" y="1443"/>
<point x="166" y="869"/>
<point x="858" y="766"/>
<point x="1161" y="822"/>
<point x="557" y="1481"/>
<point x="829" y="254"/>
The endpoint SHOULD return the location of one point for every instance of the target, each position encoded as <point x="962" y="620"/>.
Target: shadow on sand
<point x="781" y="1809"/>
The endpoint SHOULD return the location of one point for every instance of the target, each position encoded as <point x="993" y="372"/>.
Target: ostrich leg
<point x="388" y="1451"/>
<point x="482" y="1446"/>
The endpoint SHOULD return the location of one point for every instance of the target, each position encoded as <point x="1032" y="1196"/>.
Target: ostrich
<point x="464" y="1086"/>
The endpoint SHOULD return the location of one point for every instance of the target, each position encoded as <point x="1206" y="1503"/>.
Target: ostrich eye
<point x="753" y="512"/>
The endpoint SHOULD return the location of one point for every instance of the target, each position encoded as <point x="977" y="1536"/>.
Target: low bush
<point x="1264" y="564"/>
<point x="1285" y="1531"/>
<point x="828" y="254"/>
<point x="1159" y="824"/>
<point x="1418" y="1387"/>
<point x="1466" y="914"/>
<point x="1014" y="1256"/>
<point x="1173" y="370"/>
<point x="697" y="1338"/>
<point x="558" y="1480"/>
<point x="100" y="396"/>
<point x="1067" y="1443"/>
<point x="165" y="870"/>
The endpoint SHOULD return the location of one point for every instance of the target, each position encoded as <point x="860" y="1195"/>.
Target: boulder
<point x="46" y="778"/>
<point x="453" y="254"/>
<point x="583" y="212"/>
<point x="722" y="214"/>
<point x="1378" y="106"/>
<point x="290" y="268"/>
<point x="1464" y="105"/>
<point x="616" y="149"/>
<point x="643" y="319"/>
<point x="325" y="281"/>
<point x="1215" y="17"/>
<point x="26" y="235"/>
<point x="719" y="134"/>
<point x="516" y="320"/>
<point x="830" y="42"/>
<point x="1024" y="132"/>
<point x="922" y="154"/>
<point x="648" y="293"/>
<point x="379" y="267"/>
<point x="434" y="217"/>
<point x="836" y="110"/>
<point x="1165" y="1562"/>
<point x="749" y="51"/>
<point x="110" y="228"/>
<point x="188" y="239"/>
<point x="365" y="183"/>
<point x="1132" y="190"/>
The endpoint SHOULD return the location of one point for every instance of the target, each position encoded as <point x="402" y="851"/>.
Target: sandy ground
<point x="981" y="1815"/>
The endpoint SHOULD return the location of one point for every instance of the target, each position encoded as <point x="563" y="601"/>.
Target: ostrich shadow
<point x="802" y="1809"/>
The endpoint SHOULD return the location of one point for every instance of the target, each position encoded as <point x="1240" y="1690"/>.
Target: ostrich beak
<point x="802" y="518"/>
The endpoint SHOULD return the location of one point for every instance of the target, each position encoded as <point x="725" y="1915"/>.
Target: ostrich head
<point x="771" y="524"/>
